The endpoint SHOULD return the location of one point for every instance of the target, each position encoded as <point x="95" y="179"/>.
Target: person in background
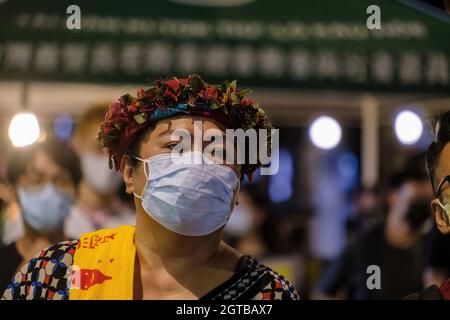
<point x="397" y="246"/>
<point x="366" y="212"/>
<point x="256" y="229"/>
<point x="11" y="221"/>
<point x="45" y="178"/>
<point x="244" y="229"/>
<point x="438" y="167"/>
<point x="98" y="205"/>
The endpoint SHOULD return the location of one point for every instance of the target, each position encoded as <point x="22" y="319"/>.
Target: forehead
<point x="443" y="167"/>
<point x="44" y="164"/>
<point x="165" y="127"/>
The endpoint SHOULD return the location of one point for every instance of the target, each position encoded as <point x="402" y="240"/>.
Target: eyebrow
<point x="166" y="132"/>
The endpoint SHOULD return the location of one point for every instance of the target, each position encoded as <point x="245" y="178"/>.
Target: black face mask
<point x="419" y="211"/>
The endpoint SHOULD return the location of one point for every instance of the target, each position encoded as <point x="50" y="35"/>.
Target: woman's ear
<point x="128" y="172"/>
<point x="442" y="220"/>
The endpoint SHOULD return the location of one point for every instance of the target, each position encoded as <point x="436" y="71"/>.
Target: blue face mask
<point x="187" y="197"/>
<point x="46" y="208"/>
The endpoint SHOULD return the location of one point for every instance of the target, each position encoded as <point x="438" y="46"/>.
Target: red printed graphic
<point x="85" y="278"/>
<point x="94" y="241"/>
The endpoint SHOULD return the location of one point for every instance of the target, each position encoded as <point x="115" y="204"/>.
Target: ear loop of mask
<point x="238" y="189"/>
<point x="146" y="176"/>
<point x="447" y="214"/>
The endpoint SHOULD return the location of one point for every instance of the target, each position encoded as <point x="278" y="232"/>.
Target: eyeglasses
<point x="438" y="190"/>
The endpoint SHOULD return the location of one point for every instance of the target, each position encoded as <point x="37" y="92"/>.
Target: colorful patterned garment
<point x="445" y="290"/>
<point x="48" y="276"/>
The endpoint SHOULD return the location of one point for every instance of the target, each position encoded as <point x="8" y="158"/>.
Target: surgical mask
<point x="46" y="208"/>
<point x="98" y="174"/>
<point x="240" y="222"/>
<point x="188" y="197"/>
<point x="446" y="208"/>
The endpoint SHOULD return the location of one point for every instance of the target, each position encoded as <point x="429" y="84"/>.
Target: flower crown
<point x="127" y="117"/>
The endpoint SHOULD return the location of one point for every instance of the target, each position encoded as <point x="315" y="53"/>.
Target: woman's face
<point x="42" y="170"/>
<point x="160" y="140"/>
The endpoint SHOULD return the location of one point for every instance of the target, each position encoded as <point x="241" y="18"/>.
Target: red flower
<point x="159" y="103"/>
<point x="141" y="93"/>
<point x="133" y="108"/>
<point x="209" y="94"/>
<point x="116" y="107"/>
<point x="211" y="91"/>
<point x="173" y="84"/>
<point x="169" y="94"/>
<point x="183" y="82"/>
<point x="107" y="130"/>
<point x="247" y="102"/>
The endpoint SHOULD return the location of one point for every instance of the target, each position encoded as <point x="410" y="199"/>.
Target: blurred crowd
<point x="66" y="189"/>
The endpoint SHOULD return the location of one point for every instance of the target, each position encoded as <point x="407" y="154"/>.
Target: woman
<point x="45" y="177"/>
<point x="97" y="205"/>
<point x="175" y="251"/>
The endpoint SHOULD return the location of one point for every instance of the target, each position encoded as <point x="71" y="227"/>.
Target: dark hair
<point x="398" y="179"/>
<point x="135" y="147"/>
<point x="440" y="126"/>
<point x="57" y="150"/>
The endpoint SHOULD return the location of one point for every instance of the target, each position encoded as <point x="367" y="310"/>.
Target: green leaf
<point x="140" y="117"/>
<point x="244" y="92"/>
<point x="234" y="98"/>
<point x="215" y="106"/>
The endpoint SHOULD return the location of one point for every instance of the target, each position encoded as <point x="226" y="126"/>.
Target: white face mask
<point x="98" y="174"/>
<point x="188" y="198"/>
<point x="446" y="209"/>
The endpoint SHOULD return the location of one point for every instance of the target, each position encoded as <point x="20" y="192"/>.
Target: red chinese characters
<point x="94" y="241"/>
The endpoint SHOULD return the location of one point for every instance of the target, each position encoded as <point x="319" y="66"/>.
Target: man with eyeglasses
<point x="438" y="167"/>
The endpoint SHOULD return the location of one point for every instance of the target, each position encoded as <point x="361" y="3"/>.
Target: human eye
<point x="171" y="145"/>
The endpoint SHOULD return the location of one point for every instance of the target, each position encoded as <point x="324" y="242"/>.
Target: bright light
<point x="325" y="133"/>
<point x="408" y="127"/>
<point x="24" y="129"/>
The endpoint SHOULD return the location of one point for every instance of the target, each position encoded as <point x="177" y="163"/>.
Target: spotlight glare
<point x="24" y="129"/>
<point x="325" y="133"/>
<point x="408" y="127"/>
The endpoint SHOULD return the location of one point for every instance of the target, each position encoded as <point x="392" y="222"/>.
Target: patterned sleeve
<point x="279" y="288"/>
<point x="445" y="290"/>
<point x="46" y="276"/>
<point x="272" y="285"/>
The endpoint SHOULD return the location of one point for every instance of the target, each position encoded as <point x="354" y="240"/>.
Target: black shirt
<point x="401" y="269"/>
<point x="9" y="262"/>
<point x="439" y="257"/>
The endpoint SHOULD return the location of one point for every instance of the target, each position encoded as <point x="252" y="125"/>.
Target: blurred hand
<point x="6" y="194"/>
